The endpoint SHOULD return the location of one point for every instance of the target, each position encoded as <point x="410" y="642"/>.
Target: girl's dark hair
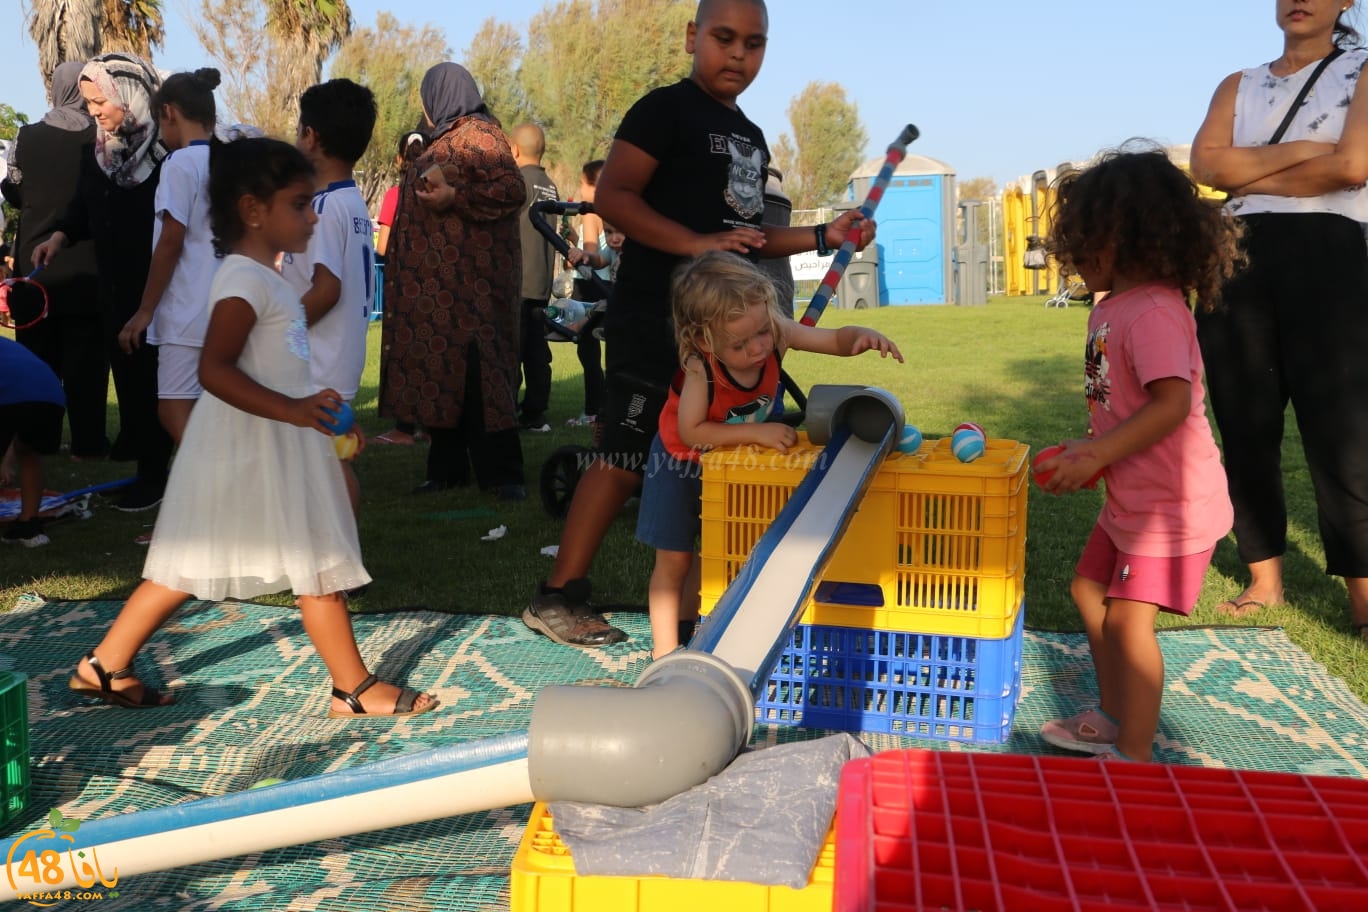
<point x="1346" y="36"/>
<point x="411" y="145"/>
<point x="1136" y="206"/>
<point x="192" y="94"/>
<point x="257" y="167"/>
<point x="591" y="171"/>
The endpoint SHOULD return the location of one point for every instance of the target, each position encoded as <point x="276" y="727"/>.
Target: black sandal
<point x="1360" y="628"/>
<point x="151" y="697"/>
<point x="402" y="706"/>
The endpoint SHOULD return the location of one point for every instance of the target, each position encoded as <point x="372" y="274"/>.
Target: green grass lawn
<point x="1013" y="366"/>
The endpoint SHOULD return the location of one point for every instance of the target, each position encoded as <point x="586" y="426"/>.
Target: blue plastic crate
<point x="948" y="688"/>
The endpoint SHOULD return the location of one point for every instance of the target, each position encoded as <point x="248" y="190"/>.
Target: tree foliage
<point x="135" y="26"/>
<point x="827" y="144"/>
<point x="492" y="58"/>
<point x="233" y="35"/>
<point x="390" y="59"/>
<point x="976" y="188"/>
<point x="268" y="52"/>
<point x="303" y="34"/>
<point x="586" y="62"/>
<point x="10" y="121"/>
<point x="79" y="29"/>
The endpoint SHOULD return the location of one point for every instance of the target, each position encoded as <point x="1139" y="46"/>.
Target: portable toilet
<point x="916" y="220"/>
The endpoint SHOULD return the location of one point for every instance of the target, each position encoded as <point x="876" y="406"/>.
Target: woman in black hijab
<point x="449" y="352"/>
<point x="44" y="165"/>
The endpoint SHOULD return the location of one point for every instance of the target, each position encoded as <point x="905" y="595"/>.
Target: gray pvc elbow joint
<point x="685" y="720"/>
<point x="868" y="411"/>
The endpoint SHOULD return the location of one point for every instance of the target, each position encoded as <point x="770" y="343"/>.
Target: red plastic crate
<point x="996" y="832"/>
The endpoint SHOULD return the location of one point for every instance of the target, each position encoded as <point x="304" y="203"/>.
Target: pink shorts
<point x="1172" y="583"/>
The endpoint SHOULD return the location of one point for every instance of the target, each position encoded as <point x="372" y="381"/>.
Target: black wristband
<point x="820" y="232"/>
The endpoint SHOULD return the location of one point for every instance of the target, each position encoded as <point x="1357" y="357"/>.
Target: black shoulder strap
<point x="1301" y="96"/>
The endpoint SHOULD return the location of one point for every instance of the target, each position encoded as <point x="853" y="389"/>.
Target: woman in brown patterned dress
<point x="449" y="355"/>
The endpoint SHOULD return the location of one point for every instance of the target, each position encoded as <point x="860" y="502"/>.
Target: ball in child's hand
<point x="1043" y="478"/>
<point x="346" y="446"/>
<point x="968" y="442"/>
<point x="343" y="418"/>
<point x="911" y="439"/>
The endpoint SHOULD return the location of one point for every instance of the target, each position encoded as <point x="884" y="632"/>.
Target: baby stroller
<point x="562" y="470"/>
<point x="568" y="316"/>
<point x="1071" y="289"/>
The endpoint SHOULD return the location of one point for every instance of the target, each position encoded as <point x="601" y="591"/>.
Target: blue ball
<point x="967" y="444"/>
<point x="343" y="419"/>
<point x="911" y="439"/>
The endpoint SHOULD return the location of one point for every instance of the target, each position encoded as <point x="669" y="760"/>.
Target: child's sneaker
<point x="28" y="533"/>
<point x="1091" y="732"/>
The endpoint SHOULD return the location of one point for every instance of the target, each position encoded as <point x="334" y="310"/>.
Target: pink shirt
<point x="1168" y="500"/>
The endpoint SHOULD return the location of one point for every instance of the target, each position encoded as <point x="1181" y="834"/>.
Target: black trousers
<point x="496" y="456"/>
<point x="74" y="347"/>
<point x="1294" y="327"/>
<point x="590" y="353"/>
<point x="135" y="383"/>
<point x="535" y="358"/>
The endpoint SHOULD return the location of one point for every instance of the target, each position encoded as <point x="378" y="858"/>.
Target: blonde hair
<point x="713" y="289"/>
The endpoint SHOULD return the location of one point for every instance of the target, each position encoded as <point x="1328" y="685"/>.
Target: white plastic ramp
<point x="746" y="629"/>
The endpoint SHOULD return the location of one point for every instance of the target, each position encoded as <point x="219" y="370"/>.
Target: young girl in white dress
<point x="256" y="502"/>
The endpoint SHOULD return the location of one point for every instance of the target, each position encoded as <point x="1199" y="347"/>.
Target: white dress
<point x="256" y="506"/>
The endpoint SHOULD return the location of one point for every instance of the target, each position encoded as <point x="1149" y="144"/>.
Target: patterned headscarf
<point x="449" y="93"/>
<point x="130" y="154"/>
<point x="68" y="107"/>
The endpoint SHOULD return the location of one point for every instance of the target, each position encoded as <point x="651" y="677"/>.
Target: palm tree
<point x="79" y="29"/>
<point x="64" y="30"/>
<point x="135" y="26"/>
<point x="304" y="33"/>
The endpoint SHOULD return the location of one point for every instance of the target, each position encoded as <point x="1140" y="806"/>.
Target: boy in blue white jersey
<point x="335" y="278"/>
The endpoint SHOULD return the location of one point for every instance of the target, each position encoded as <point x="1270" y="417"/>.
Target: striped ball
<point x="911" y="439"/>
<point x="968" y="442"/>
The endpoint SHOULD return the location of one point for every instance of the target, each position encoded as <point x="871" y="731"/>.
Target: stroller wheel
<point x="559" y="476"/>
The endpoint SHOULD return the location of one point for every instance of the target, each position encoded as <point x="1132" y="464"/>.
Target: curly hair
<point x="713" y="289"/>
<point x="1136" y="206"/>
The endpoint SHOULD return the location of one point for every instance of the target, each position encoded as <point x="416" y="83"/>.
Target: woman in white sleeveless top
<point x="1295" y="323"/>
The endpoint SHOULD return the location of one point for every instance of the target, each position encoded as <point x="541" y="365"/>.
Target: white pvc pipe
<point x="430" y="785"/>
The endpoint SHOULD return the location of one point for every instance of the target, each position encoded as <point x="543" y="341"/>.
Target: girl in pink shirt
<point x="1135" y="226"/>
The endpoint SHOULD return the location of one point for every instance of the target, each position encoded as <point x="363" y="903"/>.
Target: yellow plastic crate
<point x="543" y="879"/>
<point x="938" y="545"/>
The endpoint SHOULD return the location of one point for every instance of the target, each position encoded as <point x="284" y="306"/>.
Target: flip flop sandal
<point x="1241" y="608"/>
<point x="1360" y="628"/>
<point x="151" y="697"/>
<point x="402" y="706"/>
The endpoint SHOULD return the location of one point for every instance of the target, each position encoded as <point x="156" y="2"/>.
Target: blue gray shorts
<point x="670" y="516"/>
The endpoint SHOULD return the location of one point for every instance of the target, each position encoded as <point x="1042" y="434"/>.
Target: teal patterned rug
<point x="253" y="706"/>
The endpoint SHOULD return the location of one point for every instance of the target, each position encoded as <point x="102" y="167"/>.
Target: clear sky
<point x="998" y="88"/>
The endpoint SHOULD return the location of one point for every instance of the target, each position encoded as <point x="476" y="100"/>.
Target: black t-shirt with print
<point x="710" y="176"/>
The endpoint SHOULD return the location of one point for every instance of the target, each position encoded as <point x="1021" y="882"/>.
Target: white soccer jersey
<point x="342" y="244"/>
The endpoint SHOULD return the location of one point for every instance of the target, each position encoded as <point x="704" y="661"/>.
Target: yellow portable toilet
<point x="1026" y="224"/>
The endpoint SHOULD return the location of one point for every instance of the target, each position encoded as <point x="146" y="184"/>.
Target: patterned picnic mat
<point x="253" y="705"/>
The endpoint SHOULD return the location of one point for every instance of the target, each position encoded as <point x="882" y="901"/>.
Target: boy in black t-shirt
<point x="685" y="174"/>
